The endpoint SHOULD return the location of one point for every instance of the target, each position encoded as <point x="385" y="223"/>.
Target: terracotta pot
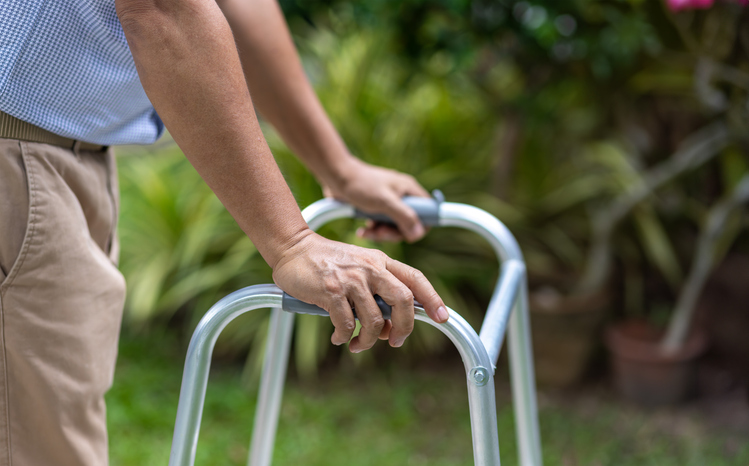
<point x="644" y="373"/>
<point x="565" y="331"/>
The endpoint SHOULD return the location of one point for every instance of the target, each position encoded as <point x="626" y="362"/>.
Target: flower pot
<point x="565" y="331"/>
<point x="647" y="375"/>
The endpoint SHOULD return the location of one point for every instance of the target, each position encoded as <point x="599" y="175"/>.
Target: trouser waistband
<point x="13" y="128"/>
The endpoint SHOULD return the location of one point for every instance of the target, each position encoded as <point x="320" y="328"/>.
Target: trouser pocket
<point x="14" y="208"/>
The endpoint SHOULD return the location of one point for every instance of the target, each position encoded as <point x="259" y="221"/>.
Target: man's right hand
<point x="336" y="276"/>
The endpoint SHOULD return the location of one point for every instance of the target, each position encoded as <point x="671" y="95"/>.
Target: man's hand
<point x="380" y="191"/>
<point x="337" y="276"/>
<point x="282" y="93"/>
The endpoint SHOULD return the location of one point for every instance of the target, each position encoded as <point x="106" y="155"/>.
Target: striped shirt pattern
<point x="65" y="66"/>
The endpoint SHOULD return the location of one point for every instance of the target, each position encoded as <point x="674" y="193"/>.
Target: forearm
<point x="280" y="89"/>
<point x="187" y="62"/>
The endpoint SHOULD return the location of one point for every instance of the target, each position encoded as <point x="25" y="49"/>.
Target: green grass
<point x="392" y="416"/>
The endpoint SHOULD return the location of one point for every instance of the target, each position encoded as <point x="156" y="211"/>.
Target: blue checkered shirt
<point x="65" y="66"/>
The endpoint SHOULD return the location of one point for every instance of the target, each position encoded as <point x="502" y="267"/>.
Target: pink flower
<point x="678" y="5"/>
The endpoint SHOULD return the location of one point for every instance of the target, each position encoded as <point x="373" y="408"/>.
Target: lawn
<point x="392" y="416"/>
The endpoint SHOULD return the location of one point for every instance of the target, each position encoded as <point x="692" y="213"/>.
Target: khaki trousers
<point x="61" y="299"/>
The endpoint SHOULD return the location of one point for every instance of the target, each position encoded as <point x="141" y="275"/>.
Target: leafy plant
<point x="179" y="245"/>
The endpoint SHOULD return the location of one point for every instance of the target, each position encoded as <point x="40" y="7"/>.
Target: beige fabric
<point x="61" y="299"/>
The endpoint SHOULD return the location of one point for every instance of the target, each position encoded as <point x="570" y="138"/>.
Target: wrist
<point x="339" y="173"/>
<point x="295" y="245"/>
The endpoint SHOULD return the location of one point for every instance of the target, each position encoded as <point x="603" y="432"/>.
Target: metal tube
<point x="503" y="300"/>
<point x="480" y="380"/>
<point x="326" y="210"/>
<point x="519" y="338"/>
<point x="276" y="359"/>
<point x="484" y="224"/>
<point x="271" y="388"/>
<point x="523" y="382"/>
<point x="197" y="365"/>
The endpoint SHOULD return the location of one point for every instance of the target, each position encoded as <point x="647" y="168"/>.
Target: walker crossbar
<point x="509" y="305"/>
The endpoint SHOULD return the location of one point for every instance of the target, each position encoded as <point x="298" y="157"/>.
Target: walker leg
<point x="483" y="408"/>
<point x="198" y="364"/>
<point x="523" y="383"/>
<point x="271" y="388"/>
<point x="479" y="371"/>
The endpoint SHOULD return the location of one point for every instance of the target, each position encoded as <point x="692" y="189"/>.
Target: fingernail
<point x="418" y="230"/>
<point x="442" y="314"/>
<point x="363" y="233"/>
<point x="397" y="343"/>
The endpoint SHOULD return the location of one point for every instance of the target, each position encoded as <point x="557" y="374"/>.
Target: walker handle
<point x="291" y="304"/>
<point x="428" y="209"/>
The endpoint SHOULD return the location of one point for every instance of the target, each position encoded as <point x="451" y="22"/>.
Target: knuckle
<point x="433" y="297"/>
<point x="416" y="275"/>
<point x="358" y="279"/>
<point x="377" y="322"/>
<point x="332" y="287"/>
<point x="372" y="271"/>
<point x="348" y="326"/>
<point x="404" y="296"/>
<point x="376" y="265"/>
<point x="379" y="256"/>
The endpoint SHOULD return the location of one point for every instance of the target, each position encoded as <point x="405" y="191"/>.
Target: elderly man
<point x="78" y="76"/>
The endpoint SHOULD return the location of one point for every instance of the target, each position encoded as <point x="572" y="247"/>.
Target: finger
<point x="399" y="296"/>
<point x="385" y="333"/>
<point x="370" y="318"/>
<point x="343" y="321"/>
<point x="405" y="218"/>
<point x="421" y="289"/>
<point x="379" y="232"/>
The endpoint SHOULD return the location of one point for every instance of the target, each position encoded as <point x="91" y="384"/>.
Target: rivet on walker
<point x="507" y="313"/>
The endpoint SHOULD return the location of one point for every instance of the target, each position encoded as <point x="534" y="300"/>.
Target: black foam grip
<point x="291" y="304"/>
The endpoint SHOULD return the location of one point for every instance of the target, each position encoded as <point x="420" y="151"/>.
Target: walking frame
<point x="508" y="311"/>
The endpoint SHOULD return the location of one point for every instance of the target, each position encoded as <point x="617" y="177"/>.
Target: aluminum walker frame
<point x="509" y="305"/>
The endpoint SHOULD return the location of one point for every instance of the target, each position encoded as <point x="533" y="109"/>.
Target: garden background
<point x="611" y="137"/>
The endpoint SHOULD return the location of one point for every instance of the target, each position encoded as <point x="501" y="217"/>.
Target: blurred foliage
<point x="555" y="75"/>
<point x="555" y="116"/>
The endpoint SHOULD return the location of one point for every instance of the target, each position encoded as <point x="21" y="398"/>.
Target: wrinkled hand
<point x="335" y="276"/>
<point x="379" y="190"/>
